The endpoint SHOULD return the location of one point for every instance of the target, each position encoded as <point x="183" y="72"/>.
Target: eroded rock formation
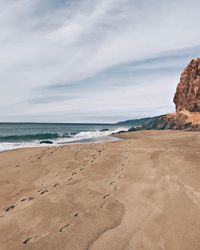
<point x="183" y="120"/>
<point x="187" y="96"/>
<point x="187" y="101"/>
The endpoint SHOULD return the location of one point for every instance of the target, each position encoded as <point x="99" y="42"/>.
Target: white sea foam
<point x="94" y="134"/>
<point x="4" y="146"/>
<point x="81" y="137"/>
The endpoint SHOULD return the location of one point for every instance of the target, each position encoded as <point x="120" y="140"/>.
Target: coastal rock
<point x="46" y="142"/>
<point x="119" y="132"/>
<point x="187" y="101"/>
<point x="183" y="120"/>
<point x="132" y="129"/>
<point x="187" y="96"/>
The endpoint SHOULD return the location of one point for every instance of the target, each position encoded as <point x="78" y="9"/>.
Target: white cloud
<point x="53" y="43"/>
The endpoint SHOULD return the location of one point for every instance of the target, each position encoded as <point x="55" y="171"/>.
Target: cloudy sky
<point x="93" y="60"/>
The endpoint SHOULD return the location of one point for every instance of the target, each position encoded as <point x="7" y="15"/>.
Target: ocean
<point x="22" y="135"/>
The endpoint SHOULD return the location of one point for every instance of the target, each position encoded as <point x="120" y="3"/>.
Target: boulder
<point x="104" y="129"/>
<point x="132" y="129"/>
<point x="46" y="142"/>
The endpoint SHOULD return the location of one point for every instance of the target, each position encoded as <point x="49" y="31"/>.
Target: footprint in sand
<point x="115" y="188"/>
<point x="9" y="208"/>
<point x="30" y="239"/>
<point x="70" y="179"/>
<point x="120" y="176"/>
<point x="56" y="185"/>
<point x="45" y="191"/>
<point x="112" y="183"/>
<point x="76" y="214"/>
<point x="105" y="196"/>
<point x="73" y="173"/>
<point x="81" y="169"/>
<point x="27" y="199"/>
<point x="103" y="204"/>
<point x="62" y="228"/>
<point x="30" y="198"/>
<point x="34" y="238"/>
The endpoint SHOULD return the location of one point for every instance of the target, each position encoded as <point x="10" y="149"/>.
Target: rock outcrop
<point x="187" y="96"/>
<point x="187" y="101"/>
<point x="46" y="142"/>
<point x="183" y="120"/>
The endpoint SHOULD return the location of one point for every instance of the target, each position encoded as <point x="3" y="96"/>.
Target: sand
<point x="142" y="192"/>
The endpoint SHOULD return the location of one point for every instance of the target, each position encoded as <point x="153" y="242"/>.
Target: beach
<point x="141" y="192"/>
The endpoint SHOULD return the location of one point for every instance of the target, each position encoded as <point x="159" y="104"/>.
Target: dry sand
<point x="139" y="193"/>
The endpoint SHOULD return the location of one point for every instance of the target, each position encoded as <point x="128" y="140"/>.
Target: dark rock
<point x="119" y="132"/>
<point x="175" y="121"/>
<point x="132" y="129"/>
<point x="46" y="142"/>
<point x="104" y="129"/>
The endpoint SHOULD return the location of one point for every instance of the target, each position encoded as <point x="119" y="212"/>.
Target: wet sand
<point x="142" y="192"/>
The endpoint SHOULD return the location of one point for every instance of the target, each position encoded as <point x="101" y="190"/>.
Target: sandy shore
<point x="139" y="193"/>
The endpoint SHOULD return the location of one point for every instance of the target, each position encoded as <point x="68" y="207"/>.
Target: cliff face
<point x="187" y="96"/>
<point x="187" y="101"/>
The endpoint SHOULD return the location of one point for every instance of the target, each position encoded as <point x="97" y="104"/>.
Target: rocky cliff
<point x="187" y="101"/>
<point x="187" y="96"/>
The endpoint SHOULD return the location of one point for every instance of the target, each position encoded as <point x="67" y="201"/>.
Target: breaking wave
<point x="31" y="137"/>
<point x="33" y="140"/>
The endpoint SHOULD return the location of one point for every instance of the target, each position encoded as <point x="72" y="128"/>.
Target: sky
<point x="93" y="60"/>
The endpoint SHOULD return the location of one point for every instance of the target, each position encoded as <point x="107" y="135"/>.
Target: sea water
<point x="20" y="135"/>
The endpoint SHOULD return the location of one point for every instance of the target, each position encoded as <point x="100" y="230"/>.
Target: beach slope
<point x="142" y="192"/>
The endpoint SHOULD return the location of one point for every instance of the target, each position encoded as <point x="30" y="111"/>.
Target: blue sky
<point x="93" y="60"/>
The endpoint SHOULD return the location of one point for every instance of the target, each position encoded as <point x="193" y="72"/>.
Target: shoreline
<point x="81" y="141"/>
<point x="139" y="192"/>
